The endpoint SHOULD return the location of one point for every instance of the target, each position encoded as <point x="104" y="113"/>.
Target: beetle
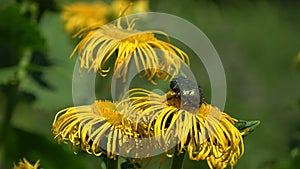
<point x="188" y="91"/>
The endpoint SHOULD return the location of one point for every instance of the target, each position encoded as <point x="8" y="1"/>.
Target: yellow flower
<point x="98" y="128"/>
<point x="225" y="144"/>
<point x="79" y="15"/>
<point x="133" y="7"/>
<point x="24" y="164"/>
<point x="142" y="48"/>
<point x="82" y="14"/>
<point x="208" y="134"/>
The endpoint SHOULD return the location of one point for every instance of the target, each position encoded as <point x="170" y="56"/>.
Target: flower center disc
<point x="129" y="35"/>
<point x="109" y="112"/>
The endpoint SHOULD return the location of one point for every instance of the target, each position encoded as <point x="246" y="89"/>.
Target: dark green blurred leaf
<point x="36" y="8"/>
<point x="8" y="74"/>
<point x="38" y="64"/>
<point x="34" y="147"/>
<point x="59" y="75"/>
<point x="19" y="33"/>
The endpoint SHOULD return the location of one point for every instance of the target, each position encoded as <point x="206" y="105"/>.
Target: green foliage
<point x="257" y="43"/>
<point x="17" y="32"/>
<point x="34" y="147"/>
<point x="20" y="38"/>
<point x="249" y="126"/>
<point x="8" y="74"/>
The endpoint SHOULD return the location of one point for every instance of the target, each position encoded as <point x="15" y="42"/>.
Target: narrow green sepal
<point x="247" y="126"/>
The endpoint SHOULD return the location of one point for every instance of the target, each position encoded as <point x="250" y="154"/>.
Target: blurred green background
<point x="257" y="41"/>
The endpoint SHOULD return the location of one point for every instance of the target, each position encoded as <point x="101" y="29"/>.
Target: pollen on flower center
<point x="205" y="109"/>
<point x="129" y="35"/>
<point x="141" y="37"/>
<point x="109" y="112"/>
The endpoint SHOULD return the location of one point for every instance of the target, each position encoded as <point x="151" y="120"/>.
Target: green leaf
<point x="18" y="32"/>
<point x="35" y="147"/>
<point x="243" y="125"/>
<point x="8" y="75"/>
<point x="59" y="75"/>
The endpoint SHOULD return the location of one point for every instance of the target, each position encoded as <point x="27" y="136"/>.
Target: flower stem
<point x="112" y="163"/>
<point x="178" y="161"/>
<point x="11" y="101"/>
